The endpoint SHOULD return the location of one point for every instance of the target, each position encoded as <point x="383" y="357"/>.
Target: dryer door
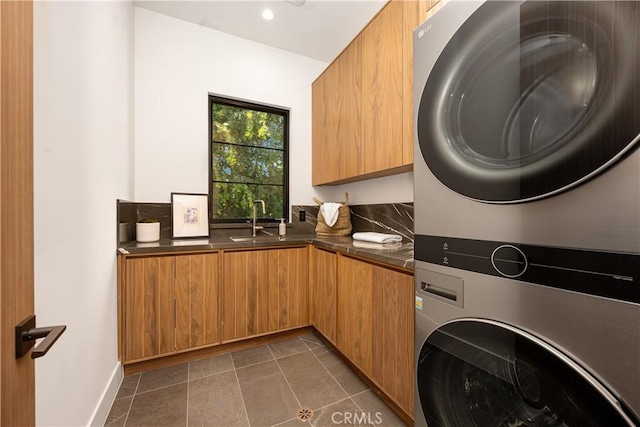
<point x="484" y="373"/>
<point x="527" y="99"/>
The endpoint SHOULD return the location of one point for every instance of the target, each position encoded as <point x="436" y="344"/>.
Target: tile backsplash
<point x="130" y="212"/>
<point x="394" y="218"/>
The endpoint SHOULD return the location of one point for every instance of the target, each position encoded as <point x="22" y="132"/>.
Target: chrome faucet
<point x="264" y="211"/>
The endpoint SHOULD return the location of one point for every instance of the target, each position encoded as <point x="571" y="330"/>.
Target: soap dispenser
<point x="282" y="227"/>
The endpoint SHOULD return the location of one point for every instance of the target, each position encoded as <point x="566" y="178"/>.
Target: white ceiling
<point x="319" y="29"/>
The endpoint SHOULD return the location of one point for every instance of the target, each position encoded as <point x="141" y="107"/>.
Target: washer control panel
<point x="606" y="274"/>
<point x="509" y="261"/>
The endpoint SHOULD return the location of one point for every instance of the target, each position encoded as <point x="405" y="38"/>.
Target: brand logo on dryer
<point x="424" y="30"/>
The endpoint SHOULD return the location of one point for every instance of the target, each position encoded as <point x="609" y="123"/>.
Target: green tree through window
<point x="248" y="161"/>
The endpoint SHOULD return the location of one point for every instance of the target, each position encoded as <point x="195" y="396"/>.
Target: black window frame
<point x="216" y="99"/>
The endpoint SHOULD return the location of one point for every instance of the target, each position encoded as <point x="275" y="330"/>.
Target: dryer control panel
<point x="606" y="274"/>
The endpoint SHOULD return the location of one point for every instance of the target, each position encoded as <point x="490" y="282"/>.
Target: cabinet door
<point x="355" y="312"/>
<point x="336" y="118"/>
<point x="149" y="307"/>
<point x="293" y="289"/>
<point x="393" y="332"/>
<point x="323" y="291"/>
<point x="264" y="291"/>
<point x="322" y="153"/>
<point x="382" y="89"/>
<point x="244" y="283"/>
<point x="196" y="292"/>
<point x="346" y="133"/>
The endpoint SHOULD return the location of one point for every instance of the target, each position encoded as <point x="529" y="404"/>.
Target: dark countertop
<point x="396" y="254"/>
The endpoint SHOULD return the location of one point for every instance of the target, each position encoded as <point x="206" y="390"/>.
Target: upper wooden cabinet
<point x="264" y="291"/>
<point x="382" y="90"/>
<point x="336" y="123"/>
<point x="362" y="107"/>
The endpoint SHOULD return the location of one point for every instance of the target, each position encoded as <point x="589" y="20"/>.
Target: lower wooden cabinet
<point x="323" y="277"/>
<point x="170" y="304"/>
<point x="196" y="292"/>
<point x="264" y="291"/>
<point x="375" y="325"/>
<point x="355" y="312"/>
<point x="393" y="331"/>
<point x="173" y="303"/>
<point x="149" y="327"/>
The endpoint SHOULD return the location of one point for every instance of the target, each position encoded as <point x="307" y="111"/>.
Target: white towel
<point x="379" y="246"/>
<point x="377" y="237"/>
<point x="330" y="212"/>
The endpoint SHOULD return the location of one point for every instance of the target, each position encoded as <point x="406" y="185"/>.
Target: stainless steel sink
<point x="258" y="239"/>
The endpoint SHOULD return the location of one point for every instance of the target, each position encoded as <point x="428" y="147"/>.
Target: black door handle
<point x="27" y="334"/>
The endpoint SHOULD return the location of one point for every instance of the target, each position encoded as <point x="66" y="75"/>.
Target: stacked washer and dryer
<point x="527" y="214"/>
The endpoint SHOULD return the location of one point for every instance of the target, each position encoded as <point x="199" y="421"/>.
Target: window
<point x="248" y="160"/>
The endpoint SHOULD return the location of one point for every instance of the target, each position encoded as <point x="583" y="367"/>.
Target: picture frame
<point x="189" y="215"/>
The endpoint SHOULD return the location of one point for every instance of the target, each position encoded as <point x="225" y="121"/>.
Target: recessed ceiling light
<point x="267" y="14"/>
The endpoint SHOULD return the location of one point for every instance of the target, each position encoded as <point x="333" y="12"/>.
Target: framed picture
<point x="189" y="215"/>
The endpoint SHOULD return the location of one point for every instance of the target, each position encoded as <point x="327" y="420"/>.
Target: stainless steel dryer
<point x="527" y="214"/>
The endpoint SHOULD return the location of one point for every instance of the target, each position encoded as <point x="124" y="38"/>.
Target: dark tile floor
<point x="263" y="386"/>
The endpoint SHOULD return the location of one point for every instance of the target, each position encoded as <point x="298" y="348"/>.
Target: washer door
<point x="530" y="99"/>
<point x="483" y="373"/>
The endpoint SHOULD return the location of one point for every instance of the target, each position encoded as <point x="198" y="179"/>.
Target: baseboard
<point x="160" y="362"/>
<point x="108" y="396"/>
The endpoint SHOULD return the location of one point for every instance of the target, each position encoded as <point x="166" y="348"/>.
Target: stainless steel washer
<point x="527" y="214"/>
<point x="493" y="351"/>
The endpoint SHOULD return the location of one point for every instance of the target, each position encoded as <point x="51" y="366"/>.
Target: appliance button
<point x="509" y="261"/>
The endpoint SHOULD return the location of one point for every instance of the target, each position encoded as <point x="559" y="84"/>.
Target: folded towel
<point x="377" y="237"/>
<point x="330" y="212"/>
<point x="379" y="246"/>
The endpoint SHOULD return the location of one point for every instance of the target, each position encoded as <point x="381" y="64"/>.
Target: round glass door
<point x="530" y="99"/>
<point x="482" y="373"/>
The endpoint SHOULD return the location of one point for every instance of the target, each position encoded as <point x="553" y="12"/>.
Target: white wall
<point x="388" y="189"/>
<point x="83" y="161"/>
<point x="177" y="64"/>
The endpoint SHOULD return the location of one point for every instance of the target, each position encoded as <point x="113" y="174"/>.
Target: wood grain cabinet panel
<point x="382" y="90"/>
<point x="239" y="271"/>
<point x="393" y="331"/>
<point x="169" y="304"/>
<point x="264" y="291"/>
<point x="362" y="105"/>
<point x="293" y="268"/>
<point x="414" y="12"/>
<point x="196" y="291"/>
<point x="149" y="307"/>
<point x="375" y="325"/>
<point x="323" y="277"/>
<point x="321" y="170"/>
<point x="336" y="119"/>
<point x="346" y="133"/>
<point x="355" y="312"/>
